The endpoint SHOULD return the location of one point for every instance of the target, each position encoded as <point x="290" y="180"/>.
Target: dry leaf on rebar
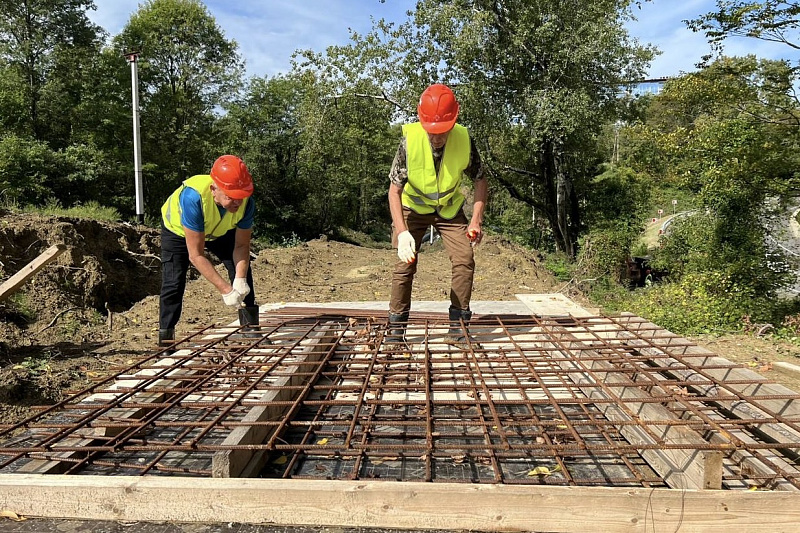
<point x="352" y="321"/>
<point x="544" y="471"/>
<point x="281" y="460"/>
<point x="323" y="442"/>
<point x="539" y="440"/>
<point x="12" y="515"/>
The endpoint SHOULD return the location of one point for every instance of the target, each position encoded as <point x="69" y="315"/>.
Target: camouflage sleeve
<point x="475" y="170"/>
<point x="398" y="174"/>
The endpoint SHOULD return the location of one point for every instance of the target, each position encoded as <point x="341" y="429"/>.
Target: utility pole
<point x="132" y="58"/>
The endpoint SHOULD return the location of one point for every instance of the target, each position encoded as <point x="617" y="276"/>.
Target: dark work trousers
<point x="459" y="250"/>
<point x="175" y="265"/>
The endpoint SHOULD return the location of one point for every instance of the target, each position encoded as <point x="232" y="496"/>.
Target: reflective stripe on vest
<point x="425" y="192"/>
<point x="216" y="225"/>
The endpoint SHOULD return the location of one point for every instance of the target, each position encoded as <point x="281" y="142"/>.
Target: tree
<point x="44" y="41"/>
<point x="725" y="136"/>
<point x="187" y="71"/>
<point x="771" y="20"/>
<point x="536" y="80"/>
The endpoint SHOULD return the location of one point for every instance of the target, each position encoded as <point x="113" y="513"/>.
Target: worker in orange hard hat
<point x="212" y="212"/>
<point x="426" y="177"/>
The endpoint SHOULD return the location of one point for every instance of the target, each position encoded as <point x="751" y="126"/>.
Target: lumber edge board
<point x="386" y="504"/>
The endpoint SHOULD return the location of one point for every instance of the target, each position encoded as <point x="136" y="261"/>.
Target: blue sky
<point x="268" y="31"/>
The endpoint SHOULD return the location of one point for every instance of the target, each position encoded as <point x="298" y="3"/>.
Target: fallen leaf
<point x="12" y="515"/>
<point x="544" y="471"/>
<point x="280" y="460"/>
<point x="322" y="442"/>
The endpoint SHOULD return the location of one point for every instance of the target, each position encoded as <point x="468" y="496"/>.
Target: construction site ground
<point x="67" y="337"/>
<point x="95" y="308"/>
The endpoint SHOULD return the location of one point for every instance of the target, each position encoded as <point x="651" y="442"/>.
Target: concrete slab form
<point x="538" y="404"/>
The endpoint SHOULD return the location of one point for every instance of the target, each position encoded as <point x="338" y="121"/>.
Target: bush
<point x="709" y="302"/>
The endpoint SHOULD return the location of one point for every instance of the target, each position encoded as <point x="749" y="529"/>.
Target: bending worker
<point x="208" y="212"/>
<point x="425" y="190"/>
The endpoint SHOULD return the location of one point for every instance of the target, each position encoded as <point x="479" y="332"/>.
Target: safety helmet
<point x="437" y="109"/>
<point x="230" y="174"/>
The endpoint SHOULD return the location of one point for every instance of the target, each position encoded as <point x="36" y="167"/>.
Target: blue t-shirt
<point x="192" y="211"/>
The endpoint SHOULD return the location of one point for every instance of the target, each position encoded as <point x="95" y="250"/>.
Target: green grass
<point x="90" y="210"/>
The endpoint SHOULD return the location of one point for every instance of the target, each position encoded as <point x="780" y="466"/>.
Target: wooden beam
<point x="735" y="407"/>
<point x="16" y="281"/>
<point x="680" y="468"/>
<point x="407" y="505"/>
<point x="248" y="463"/>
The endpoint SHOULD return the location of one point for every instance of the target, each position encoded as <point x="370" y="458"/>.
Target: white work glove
<point x="240" y="285"/>
<point x="406" y="247"/>
<point x="233" y="298"/>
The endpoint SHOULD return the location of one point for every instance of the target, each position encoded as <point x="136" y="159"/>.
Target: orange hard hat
<point x="437" y="109"/>
<point x="230" y="174"/>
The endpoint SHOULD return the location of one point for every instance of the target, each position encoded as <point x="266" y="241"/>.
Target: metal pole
<point x="137" y="142"/>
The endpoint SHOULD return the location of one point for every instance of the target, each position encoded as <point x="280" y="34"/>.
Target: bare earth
<point x="97" y="304"/>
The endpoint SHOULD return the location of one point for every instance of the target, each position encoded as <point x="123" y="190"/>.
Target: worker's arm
<point x="406" y="246"/>
<point x="479" y="206"/>
<point x="396" y="209"/>
<point x="196" y="244"/>
<point x="241" y="251"/>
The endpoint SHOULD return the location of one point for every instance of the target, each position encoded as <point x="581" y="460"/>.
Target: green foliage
<point x="25" y="166"/>
<point x="21" y="304"/>
<point x="725" y="139"/>
<point x="560" y="265"/>
<point x="770" y="20"/>
<point x="92" y="210"/>
<point x="619" y="198"/>
<point x="46" y="43"/>
<point x="187" y="68"/>
<point x="604" y="252"/>
<point x="709" y="302"/>
<point x="36" y="365"/>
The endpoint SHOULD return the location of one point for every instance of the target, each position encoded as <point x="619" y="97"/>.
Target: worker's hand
<point x="474" y="234"/>
<point x="240" y="285"/>
<point x="406" y="247"/>
<point x="233" y="298"/>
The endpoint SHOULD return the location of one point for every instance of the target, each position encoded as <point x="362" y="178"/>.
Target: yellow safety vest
<point x="216" y="225"/>
<point x="425" y="192"/>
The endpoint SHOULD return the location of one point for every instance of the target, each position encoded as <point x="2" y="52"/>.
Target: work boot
<point x="395" y="337"/>
<point x="248" y="316"/>
<point x="456" y="335"/>
<point x="166" y="339"/>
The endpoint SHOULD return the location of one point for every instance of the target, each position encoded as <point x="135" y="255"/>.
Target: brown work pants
<point x="459" y="250"/>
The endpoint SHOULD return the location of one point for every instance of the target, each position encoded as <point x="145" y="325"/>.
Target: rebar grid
<point x="523" y="399"/>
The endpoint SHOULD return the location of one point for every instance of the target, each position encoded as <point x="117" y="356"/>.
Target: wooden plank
<point x="735" y="407"/>
<point x="54" y="466"/>
<point x="680" y="468"/>
<point x="28" y="271"/>
<point x="555" y="304"/>
<point x="247" y="463"/>
<point x="407" y="505"/>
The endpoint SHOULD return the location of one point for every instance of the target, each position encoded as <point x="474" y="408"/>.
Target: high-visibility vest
<point x="425" y="192"/>
<point x="216" y="224"/>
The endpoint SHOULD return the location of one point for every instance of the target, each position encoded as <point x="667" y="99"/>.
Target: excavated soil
<point x="97" y="304"/>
